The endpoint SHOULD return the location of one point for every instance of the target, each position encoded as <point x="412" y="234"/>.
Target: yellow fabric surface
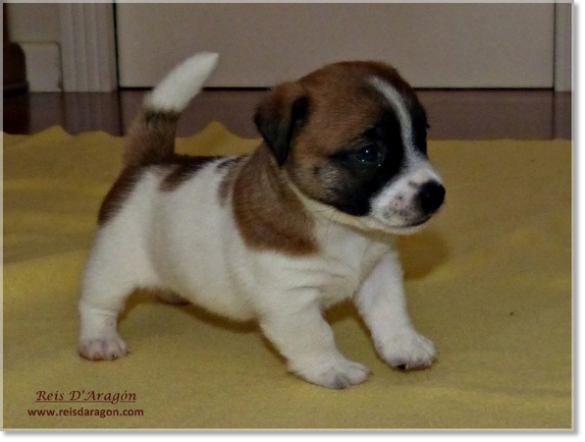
<point x="489" y="282"/>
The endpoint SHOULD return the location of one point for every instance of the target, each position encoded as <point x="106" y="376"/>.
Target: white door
<point x="432" y="45"/>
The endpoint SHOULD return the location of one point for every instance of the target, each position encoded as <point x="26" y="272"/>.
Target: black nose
<point x="431" y="195"/>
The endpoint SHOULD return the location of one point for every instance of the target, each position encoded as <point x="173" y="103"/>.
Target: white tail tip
<point x="176" y="90"/>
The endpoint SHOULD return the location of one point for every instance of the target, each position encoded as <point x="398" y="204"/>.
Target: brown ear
<point x="279" y="117"/>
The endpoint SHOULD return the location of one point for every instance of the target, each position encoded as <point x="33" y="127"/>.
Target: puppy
<point x="304" y="222"/>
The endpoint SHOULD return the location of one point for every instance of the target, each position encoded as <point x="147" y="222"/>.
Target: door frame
<point x="563" y="58"/>
<point x="88" y="47"/>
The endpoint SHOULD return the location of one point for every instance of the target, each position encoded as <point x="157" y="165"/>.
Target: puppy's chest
<point x="344" y="263"/>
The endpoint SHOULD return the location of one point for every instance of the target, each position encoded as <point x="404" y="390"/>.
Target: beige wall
<point x="38" y="24"/>
<point x="36" y="27"/>
<point x="33" y="22"/>
<point x="433" y="45"/>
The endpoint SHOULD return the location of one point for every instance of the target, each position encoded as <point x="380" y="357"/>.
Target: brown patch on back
<point x="119" y="193"/>
<point x="151" y="140"/>
<point x="183" y="168"/>
<point x="233" y="166"/>
<point x="267" y="212"/>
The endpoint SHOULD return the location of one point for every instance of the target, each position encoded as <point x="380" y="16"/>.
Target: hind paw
<point x="103" y="349"/>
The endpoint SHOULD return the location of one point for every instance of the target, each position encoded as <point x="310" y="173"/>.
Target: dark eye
<point x="370" y="155"/>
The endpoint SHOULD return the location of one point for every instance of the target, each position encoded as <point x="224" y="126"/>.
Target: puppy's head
<point x="352" y="136"/>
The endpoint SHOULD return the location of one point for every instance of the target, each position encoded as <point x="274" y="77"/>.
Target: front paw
<point x="408" y="350"/>
<point x="339" y="373"/>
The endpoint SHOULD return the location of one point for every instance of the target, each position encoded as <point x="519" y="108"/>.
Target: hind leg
<point x="102" y="300"/>
<point x="108" y="281"/>
<point x="99" y="338"/>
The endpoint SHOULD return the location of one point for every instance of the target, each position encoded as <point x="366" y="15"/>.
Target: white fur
<point x="185" y="241"/>
<point x="396" y="206"/>
<point x="185" y="81"/>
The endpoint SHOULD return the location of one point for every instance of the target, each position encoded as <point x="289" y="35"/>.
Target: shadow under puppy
<point x="304" y="222"/>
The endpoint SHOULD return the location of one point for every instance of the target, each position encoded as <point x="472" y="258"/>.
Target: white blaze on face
<point x="397" y="102"/>
<point x="396" y="205"/>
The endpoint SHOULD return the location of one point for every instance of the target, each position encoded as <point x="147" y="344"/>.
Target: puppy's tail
<point x="152" y="136"/>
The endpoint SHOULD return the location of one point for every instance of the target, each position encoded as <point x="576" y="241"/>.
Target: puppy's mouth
<point x="419" y="222"/>
<point x="402" y="228"/>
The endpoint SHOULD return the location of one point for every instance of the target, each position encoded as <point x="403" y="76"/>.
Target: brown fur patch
<point x="152" y="138"/>
<point x="267" y="212"/>
<point x="233" y="166"/>
<point x="118" y="193"/>
<point x="183" y="168"/>
<point x="342" y="107"/>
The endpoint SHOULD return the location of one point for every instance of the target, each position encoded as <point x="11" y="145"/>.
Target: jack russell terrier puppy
<point x="302" y="223"/>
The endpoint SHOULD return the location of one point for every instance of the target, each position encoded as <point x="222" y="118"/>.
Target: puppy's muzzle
<point x="431" y="197"/>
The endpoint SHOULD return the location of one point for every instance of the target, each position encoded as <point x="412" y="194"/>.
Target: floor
<point x="453" y="114"/>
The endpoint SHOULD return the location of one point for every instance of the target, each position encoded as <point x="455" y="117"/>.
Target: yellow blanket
<point x="489" y="281"/>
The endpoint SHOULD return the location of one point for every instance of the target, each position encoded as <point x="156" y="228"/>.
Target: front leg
<point x="382" y="304"/>
<point x="295" y="326"/>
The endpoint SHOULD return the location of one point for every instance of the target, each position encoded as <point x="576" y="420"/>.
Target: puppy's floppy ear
<point x="280" y="116"/>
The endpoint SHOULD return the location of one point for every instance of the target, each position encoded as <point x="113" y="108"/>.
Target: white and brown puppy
<point x="304" y="222"/>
